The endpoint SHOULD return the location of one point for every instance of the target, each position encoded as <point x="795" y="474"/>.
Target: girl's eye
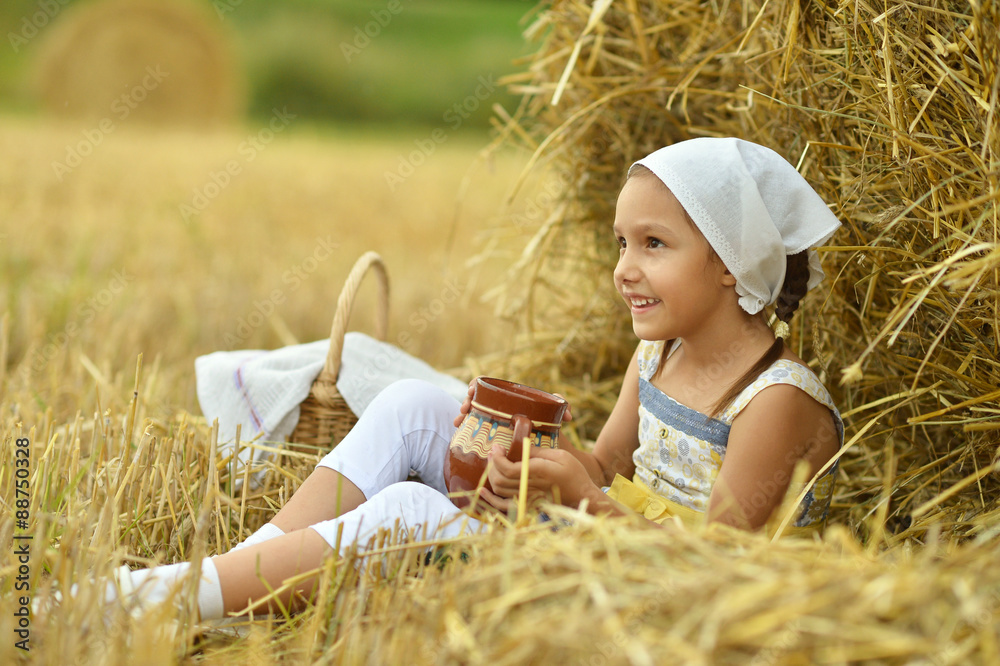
<point x="621" y="243"/>
<point x="656" y="242"/>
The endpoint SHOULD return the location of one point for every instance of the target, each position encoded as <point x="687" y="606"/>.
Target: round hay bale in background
<point x="136" y="59"/>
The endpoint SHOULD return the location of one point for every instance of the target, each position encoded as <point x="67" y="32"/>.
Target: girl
<point x="714" y="412"/>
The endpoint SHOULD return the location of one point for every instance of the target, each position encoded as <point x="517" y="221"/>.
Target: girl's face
<point x="667" y="272"/>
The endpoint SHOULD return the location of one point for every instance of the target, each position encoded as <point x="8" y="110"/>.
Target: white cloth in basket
<point x="261" y="390"/>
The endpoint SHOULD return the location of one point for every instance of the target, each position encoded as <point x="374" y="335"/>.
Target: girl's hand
<point x="552" y="473"/>
<point x="568" y="414"/>
<point x="502" y="504"/>
<point x="463" y="411"/>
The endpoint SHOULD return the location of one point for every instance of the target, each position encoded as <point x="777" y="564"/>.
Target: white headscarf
<point x="751" y="205"/>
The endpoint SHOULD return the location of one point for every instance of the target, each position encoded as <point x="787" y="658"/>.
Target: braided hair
<point x="795" y="286"/>
<point x="792" y="290"/>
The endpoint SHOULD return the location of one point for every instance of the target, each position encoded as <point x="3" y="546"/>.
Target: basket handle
<point x="369" y="260"/>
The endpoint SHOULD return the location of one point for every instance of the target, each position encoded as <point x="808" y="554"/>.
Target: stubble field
<point x="176" y="243"/>
<point x="169" y="244"/>
<point x="105" y="461"/>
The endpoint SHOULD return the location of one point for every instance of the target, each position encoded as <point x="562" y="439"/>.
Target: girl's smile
<point x="666" y="271"/>
<point x="640" y="305"/>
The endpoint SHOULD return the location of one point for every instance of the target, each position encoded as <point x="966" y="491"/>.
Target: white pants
<point x="405" y="430"/>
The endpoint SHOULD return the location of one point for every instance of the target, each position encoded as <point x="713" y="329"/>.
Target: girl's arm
<point x="570" y="473"/>
<point x="779" y="426"/>
<point x="619" y="438"/>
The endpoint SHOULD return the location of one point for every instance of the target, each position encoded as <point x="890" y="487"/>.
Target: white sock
<point x="146" y="588"/>
<point x="268" y="531"/>
<point x="210" y="606"/>
<point x="150" y="587"/>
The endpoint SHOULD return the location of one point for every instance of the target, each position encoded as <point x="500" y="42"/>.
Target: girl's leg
<point x="323" y="495"/>
<point x="407" y="428"/>
<point x="250" y="574"/>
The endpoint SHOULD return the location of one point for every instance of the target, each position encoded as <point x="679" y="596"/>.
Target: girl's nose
<point x="626" y="269"/>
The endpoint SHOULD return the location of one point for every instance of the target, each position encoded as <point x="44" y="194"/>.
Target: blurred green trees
<point x="387" y="62"/>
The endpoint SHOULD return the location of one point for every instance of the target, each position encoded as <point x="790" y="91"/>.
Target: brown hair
<point x="792" y="290"/>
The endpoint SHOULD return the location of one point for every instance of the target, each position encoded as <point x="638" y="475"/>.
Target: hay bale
<point x="138" y="59"/>
<point x="892" y="115"/>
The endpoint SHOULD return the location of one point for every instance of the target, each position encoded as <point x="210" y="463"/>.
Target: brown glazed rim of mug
<point x="508" y="417"/>
<point x="519" y="392"/>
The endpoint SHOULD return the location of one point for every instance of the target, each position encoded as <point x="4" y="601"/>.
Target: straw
<point x="890" y="112"/>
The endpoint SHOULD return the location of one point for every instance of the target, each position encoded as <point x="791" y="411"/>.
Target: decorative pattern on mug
<point x="480" y="432"/>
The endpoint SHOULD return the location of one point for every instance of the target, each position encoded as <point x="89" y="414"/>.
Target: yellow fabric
<point x="638" y="497"/>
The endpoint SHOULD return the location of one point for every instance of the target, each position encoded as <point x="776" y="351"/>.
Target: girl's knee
<point x="413" y="496"/>
<point x="423" y="509"/>
<point x="412" y="505"/>
<point x="406" y="391"/>
<point x="415" y="396"/>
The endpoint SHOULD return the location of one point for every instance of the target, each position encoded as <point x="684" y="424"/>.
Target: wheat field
<point x="127" y="254"/>
<point x="111" y="288"/>
<point x="298" y="213"/>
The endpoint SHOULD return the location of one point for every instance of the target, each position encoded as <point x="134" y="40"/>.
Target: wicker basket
<point x="325" y="417"/>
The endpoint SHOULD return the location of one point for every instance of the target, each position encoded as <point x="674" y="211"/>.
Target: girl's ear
<point x="728" y="279"/>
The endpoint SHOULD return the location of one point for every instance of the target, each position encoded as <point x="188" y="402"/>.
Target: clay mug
<point x="502" y="412"/>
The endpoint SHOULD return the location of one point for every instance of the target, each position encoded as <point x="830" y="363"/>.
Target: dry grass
<point x="101" y="267"/>
<point x="890" y="114"/>
<point x="894" y="117"/>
